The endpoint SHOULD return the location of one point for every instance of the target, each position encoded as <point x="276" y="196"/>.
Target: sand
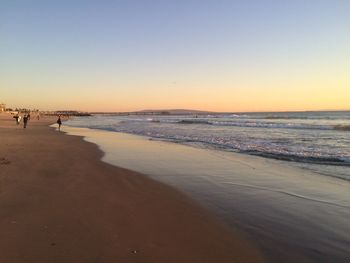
<point x="60" y="203"/>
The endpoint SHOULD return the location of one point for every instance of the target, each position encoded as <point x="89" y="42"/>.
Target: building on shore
<point x="2" y="107"/>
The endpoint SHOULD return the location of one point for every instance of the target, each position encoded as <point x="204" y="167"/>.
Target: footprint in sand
<point x="4" y="161"/>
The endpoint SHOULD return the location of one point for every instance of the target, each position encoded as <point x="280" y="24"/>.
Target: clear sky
<point x="104" y="55"/>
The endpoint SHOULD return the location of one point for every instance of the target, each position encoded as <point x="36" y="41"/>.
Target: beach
<point x="293" y="211"/>
<point x="60" y="203"/>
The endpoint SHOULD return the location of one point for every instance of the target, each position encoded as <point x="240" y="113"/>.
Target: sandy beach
<point x="60" y="203"/>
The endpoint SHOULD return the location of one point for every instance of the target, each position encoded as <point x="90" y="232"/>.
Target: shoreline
<point x="262" y="197"/>
<point x="61" y="203"/>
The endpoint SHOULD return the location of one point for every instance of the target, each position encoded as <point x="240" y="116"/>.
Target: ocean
<point x="319" y="141"/>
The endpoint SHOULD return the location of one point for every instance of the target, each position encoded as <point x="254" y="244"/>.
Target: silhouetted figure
<point x="59" y="122"/>
<point x="25" y="121"/>
<point x="17" y="118"/>
<point x="28" y="116"/>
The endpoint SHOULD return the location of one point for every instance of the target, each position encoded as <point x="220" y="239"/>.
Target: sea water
<point x="319" y="141"/>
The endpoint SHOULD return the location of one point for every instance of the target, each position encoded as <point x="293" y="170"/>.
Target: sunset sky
<point x="271" y="55"/>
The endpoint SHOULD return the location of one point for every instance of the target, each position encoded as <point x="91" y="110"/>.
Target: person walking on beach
<point x="59" y="122"/>
<point x="17" y="118"/>
<point x="25" y="121"/>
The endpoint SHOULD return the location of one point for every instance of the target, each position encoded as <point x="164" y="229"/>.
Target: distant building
<point x="2" y="107"/>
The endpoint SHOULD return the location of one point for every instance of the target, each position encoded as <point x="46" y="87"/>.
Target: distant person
<point x="59" y="122"/>
<point x="17" y="118"/>
<point x="28" y="116"/>
<point x="38" y="116"/>
<point x="25" y="121"/>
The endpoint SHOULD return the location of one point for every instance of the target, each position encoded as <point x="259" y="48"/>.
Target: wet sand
<point x="60" y="203"/>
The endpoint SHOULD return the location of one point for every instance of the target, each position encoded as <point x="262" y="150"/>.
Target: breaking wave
<point x="325" y="142"/>
<point x="254" y="124"/>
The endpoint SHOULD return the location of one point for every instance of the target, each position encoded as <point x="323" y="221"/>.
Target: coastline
<point x="60" y="203"/>
<point x="292" y="214"/>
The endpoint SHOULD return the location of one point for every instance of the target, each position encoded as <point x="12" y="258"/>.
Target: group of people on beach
<point x="26" y="118"/>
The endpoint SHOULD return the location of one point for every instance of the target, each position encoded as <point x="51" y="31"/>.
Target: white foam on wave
<point x="294" y="141"/>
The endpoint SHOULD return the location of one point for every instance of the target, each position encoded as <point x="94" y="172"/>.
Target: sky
<point x="104" y="55"/>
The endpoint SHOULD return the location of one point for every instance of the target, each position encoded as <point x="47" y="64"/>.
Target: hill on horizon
<point x="178" y="111"/>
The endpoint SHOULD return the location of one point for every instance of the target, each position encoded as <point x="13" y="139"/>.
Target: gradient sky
<point x="212" y="55"/>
